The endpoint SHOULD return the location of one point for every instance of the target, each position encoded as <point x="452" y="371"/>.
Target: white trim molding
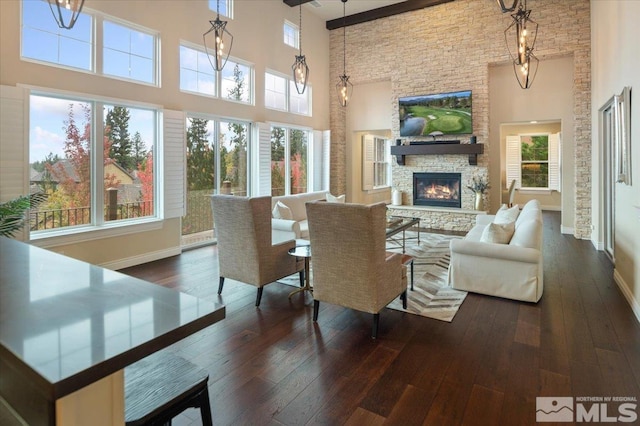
<point x="624" y="288"/>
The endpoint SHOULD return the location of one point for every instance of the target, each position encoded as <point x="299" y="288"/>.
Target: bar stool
<point x="161" y="386"/>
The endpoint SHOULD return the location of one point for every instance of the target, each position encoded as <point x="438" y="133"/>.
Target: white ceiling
<point x="332" y="9"/>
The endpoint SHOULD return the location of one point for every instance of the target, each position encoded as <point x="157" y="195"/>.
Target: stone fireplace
<point x="459" y="213"/>
<point x="437" y="189"/>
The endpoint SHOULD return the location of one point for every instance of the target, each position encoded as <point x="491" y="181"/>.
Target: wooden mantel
<point x="438" y="149"/>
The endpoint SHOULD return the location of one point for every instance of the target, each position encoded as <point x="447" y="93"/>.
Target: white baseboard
<point x="598" y="245"/>
<point x="567" y="230"/>
<point x="140" y="259"/>
<point x="624" y="287"/>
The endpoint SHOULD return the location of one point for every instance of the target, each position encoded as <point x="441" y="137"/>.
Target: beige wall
<point x="452" y="47"/>
<point x="550" y="98"/>
<point x="257" y="31"/>
<point x="615" y="65"/>
<point x="371" y="101"/>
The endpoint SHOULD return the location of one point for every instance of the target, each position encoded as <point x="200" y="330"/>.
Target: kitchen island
<point x="68" y="329"/>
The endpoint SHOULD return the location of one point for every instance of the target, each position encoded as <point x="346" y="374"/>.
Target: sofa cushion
<point x="498" y="233"/>
<point x="506" y="215"/>
<point x="281" y="211"/>
<point x="335" y="199"/>
<point x="528" y="234"/>
<point x="304" y="229"/>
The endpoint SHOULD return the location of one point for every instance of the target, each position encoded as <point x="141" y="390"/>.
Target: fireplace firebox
<point x="437" y="189"/>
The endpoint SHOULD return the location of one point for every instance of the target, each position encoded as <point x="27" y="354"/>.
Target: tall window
<point x="217" y="162"/>
<point x="43" y="40"/>
<point x="291" y="34"/>
<point x="197" y="75"/>
<point x="289" y="161"/>
<point x="376" y="162"/>
<point x="281" y="94"/>
<point x="226" y="7"/>
<point x="67" y="136"/>
<point x="128" y="53"/>
<point x="533" y="161"/>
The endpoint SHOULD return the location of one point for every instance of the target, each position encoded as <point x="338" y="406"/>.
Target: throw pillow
<point x="281" y="211"/>
<point x="498" y="233"/>
<point x="506" y="215"/>
<point x="334" y="199"/>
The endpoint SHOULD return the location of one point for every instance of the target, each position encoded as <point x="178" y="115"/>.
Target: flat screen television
<point x="437" y="114"/>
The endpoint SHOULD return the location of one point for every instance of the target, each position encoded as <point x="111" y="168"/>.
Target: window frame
<point x="287" y="155"/>
<point x="138" y="28"/>
<point x="295" y="31"/>
<point x="218" y="76"/>
<point x="523" y="162"/>
<point x="99" y="227"/>
<point x="227" y="12"/>
<point x="290" y="94"/>
<point x="97" y="50"/>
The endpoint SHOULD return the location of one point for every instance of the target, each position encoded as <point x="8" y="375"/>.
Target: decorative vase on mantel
<point x="479" y="201"/>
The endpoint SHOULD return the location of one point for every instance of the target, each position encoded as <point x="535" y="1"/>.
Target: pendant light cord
<point x="344" y="37"/>
<point x="300" y="32"/>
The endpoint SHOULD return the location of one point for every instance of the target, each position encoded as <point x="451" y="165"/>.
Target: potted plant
<point x="479" y="186"/>
<point x="13" y="212"/>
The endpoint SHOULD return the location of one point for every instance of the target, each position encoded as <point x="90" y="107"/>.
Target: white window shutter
<point x="264" y="160"/>
<point x="513" y="160"/>
<point x="326" y="159"/>
<point x="175" y="158"/>
<point x="554" y="162"/>
<point x="368" y="157"/>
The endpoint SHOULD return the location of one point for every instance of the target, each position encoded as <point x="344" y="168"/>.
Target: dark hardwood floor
<point x="273" y="365"/>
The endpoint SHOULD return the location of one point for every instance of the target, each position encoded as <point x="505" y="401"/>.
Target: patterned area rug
<point x="430" y="297"/>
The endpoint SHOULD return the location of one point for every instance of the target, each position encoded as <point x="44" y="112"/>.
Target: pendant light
<point x="524" y="31"/>
<point x="299" y="68"/>
<point x="63" y="8"/>
<point x="344" y="87"/>
<point x="214" y="41"/>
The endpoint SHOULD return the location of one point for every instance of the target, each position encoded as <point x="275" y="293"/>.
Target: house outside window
<point x="291" y="34"/>
<point x="289" y="160"/>
<point x="74" y="140"/>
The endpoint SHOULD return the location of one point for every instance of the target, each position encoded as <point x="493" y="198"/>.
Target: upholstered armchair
<point x="350" y="265"/>
<point x="245" y="250"/>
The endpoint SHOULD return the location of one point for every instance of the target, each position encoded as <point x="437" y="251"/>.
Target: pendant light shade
<point x="214" y="42"/>
<point x="507" y="5"/>
<point x="66" y="12"/>
<point x="299" y="68"/>
<point x="520" y="38"/>
<point x="344" y="86"/>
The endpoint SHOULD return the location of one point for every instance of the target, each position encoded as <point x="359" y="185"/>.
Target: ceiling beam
<point x="381" y="12"/>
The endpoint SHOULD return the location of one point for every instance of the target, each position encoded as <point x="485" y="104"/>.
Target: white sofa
<point x="513" y="270"/>
<point x="296" y="227"/>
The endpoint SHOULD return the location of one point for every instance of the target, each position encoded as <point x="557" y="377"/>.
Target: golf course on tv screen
<point x="444" y="113"/>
